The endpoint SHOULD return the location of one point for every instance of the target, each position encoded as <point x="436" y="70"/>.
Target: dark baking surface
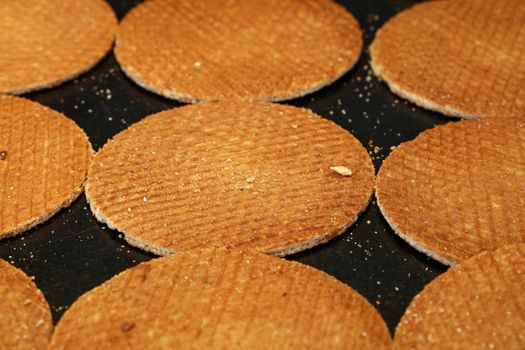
<point x="72" y="252"/>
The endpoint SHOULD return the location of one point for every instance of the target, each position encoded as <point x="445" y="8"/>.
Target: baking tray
<point x="72" y="253"/>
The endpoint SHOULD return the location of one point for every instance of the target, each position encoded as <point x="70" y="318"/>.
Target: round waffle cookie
<point x="457" y="190"/>
<point x="252" y="175"/>
<point x="223" y="299"/>
<point x="44" y="158"/>
<point x="460" y="58"/>
<point x="46" y="42"/>
<point x="476" y="305"/>
<point x="25" y="322"/>
<point x="237" y="49"/>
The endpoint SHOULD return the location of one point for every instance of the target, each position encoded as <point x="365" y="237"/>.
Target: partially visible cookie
<point x="249" y="175"/>
<point x="221" y="299"/>
<point x="46" y="42"/>
<point x="44" y="158"/>
<point x="477" y="304"/>
<point x="237" y="49"/>
<point x="457" y="189"/>
<point x="460" y="58"/>
<point x="25" y="319"/>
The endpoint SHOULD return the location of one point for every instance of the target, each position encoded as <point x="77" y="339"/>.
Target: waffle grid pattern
<point x="461" y="58"/>
<point x="45" y="42"/>
<point x="26" y="322"/>
<point x="249" y="49"/>
<point x="222" y="299"/>
<point x="245" y="175"/>
<point x="47" y="159"/>
<point x="457" y="189"/>
<point x="478" y="304"/>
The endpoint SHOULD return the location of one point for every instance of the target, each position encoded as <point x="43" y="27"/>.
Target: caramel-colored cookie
<point x="460" y="58"/>
<point x="44" y="158"/>
<point x="25" y="319"/>
<point x="477" y="304"/>
<point x="237" y="49"/>
<point x="46" y="42"/>
<point x="221" y="299"/>
<point x="457" y="189"/>
<point x="251" y="175"/>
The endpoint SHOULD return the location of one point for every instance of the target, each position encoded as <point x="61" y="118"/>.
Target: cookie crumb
<point x="341" y="170"/>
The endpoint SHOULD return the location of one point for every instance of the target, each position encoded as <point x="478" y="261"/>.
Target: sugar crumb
<point x="341" y="170"/>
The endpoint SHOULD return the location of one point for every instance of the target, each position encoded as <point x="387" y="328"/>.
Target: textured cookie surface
<point x="223" y="299"/>
<point x="237" y="174"/>
<point x="25" y="322"/>
<point x="44" y="158"/>
<point x="461" y="58"/>
<point x="458" y="189"/>
<point x="241" y="49"/>
<point x="477" y="304"/>
<point x="45" y="42"/>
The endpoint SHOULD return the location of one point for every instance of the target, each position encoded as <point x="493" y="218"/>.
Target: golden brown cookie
<point x="460" y="58"/>
<point x="25" y="319"/>
<point x="44" y="158"/>
<point x="237" y="49"/>
<point x="457" y="189"/>
<point x="477" y="304"/>
<point x="251" y="175"/>
<point x="46" y="42"/>
<point x="221" y="299"/>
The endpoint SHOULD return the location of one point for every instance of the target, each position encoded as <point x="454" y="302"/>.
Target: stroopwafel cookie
<point x="241" y="49"/>
<point x="460" y="58"/>
<point x="44" y="159"/>
<point x="477" y="304"/>
<point x="25" y="321"/>
<point x="457" y="189"/>
<point x="46" y="42"/>
<point x="223" y="299"/>
<point x="251" y="175"/>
